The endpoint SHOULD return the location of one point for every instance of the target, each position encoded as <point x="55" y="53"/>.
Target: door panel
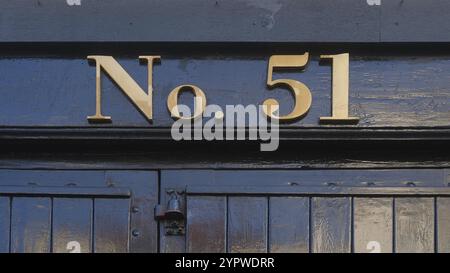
<point x="78" y="211"/>
<point x="5" y="212"/>
<point x="310" y="211"/>
<point x="72" y="225"/>
<point x="443" y="228"/>
<point x="111" y="225"/>
<point x="373" y="225"/>
<point x="289" y="224"/>
<point x="206" y="224"/>
<point x="331" y="224"/>
<point x="247" y="227"/>
<point x="30" y="224"/>
<point x="414" y="224"/>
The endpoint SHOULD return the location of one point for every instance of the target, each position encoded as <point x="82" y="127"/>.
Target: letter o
<point x="172" y="101"/>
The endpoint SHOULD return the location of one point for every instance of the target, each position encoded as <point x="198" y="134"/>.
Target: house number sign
<point x="143" y="99"/>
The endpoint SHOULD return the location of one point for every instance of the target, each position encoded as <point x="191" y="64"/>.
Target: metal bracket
<point x="173" y="214"/>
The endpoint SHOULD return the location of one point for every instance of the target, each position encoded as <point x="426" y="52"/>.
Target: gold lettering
<point x="199" y="105"/>
<point x="302" y="94"/>
<point x="141" y="99"/>
<point x="340" y="86"/>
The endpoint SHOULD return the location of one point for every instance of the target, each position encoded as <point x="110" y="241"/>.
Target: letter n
<point x="141" y="99"/>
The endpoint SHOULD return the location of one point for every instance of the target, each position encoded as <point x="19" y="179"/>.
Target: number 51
<point x="302" y="94"/>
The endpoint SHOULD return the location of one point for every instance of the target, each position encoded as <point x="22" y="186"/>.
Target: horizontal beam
<point x="225" y="21"/>
<point x="320" y="191"/>
<point x="390" y="89"/>
<point x="65" y="191"/>
<point x="286" y="134"/>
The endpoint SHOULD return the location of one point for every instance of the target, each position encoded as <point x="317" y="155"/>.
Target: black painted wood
<point x="247" y="224"/>
<point x="206" y="219"/>
<point x="289" y="224"/>
<point x="145" y="192"/>
<point x="5" y="224"/>
<point x="119" y="212"/>
<point x="327" y="210"/>
<point x="31" y="225"/>
<point x="181" y="20"/>
<point x="373" y="225"/>
<point x="414" y="225"/>
<point x="144" y="155"/>
<point x="443" y="227"/>
<point x="331" y="181"/>
<point x="414" y="20"/>
<point x="72" y="225"/>
<point x="32" y="190"/>
<point x="331" y="225"/>
<point x="111" y="225"/>
<point x="218" y="20"/>
<point x="386" y="91"/>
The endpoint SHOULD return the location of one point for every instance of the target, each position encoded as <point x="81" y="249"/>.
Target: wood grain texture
<point x="111" y="225"/>
<point x="414" y="225"/>
<point x="289" y="224"/>
<point x="5" y="216"/>
<point x="443" y="224"/>
<point x="330" y="226"/>
<point x="414" y="20"/>
<point x="145" y="192"/>
<point x="206" y="224"/>
<point x="31" y="225"/>
<point x="373" y="222"/>
<point x="72" y="222"/>
<point x="247" y="224"/>
<point x="409" y="91"/>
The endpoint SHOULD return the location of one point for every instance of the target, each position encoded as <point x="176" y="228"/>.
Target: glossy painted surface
<point x="72" y="222"/>
<point x="373" y="225"/>
<point x="111" y="226"/>
<point x="60" y="219"/>
<point x="240" y="200"/>
<point x="206" y="224"/>
<point x="414" y="225"/>
<point x="409" y="91"/>
<point x="31" y="224"/>
<point x="247" y="227"/>
<point x="289" y="224"/>
<point x="331" y="225"/>
<point x="5" y="212"/>
<point x="265" y="212"/>
<point x="443" y="228"/>
<point x="220" y="21"/>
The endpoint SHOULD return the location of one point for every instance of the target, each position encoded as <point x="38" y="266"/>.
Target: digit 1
<point x="340" y="83"/>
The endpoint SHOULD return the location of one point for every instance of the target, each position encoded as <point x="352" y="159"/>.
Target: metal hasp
<point x="173" y="214"/>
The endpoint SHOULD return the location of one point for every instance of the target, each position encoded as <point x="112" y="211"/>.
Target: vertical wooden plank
<point x="289" y="224"/>
<point x="144" y="186"/>
<point x="247" y="224"/>
<point x="31" y="224"/>
<point x="206" y="224"/>
<point x="330" y="225"/>
<point x="414" y="224"/>
<point x="5" y="216"/>
<point x="373" y="225"/>
<point x="111" y="225"/>
<point x="443" y="224"/>
<point x="72" y="224"/>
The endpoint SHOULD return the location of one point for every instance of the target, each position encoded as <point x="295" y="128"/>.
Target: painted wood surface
<point x="212" y="21"/>
<point x="80" y="218"/>
<point x="385" y="91"/>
